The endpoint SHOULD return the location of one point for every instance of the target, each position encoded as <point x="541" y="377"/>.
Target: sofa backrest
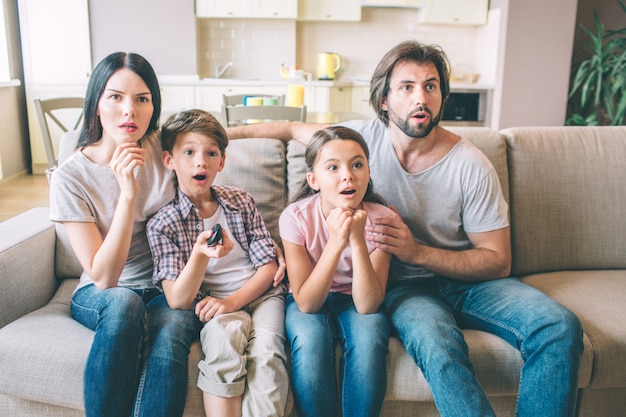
<point x="568" y="197"/>
<point x="564" y="186"/>
<point x="271" y="171"/>
<point x="259" y="166"/>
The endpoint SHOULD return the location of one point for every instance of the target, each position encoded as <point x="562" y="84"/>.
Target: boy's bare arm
<point x="260" y="282"/>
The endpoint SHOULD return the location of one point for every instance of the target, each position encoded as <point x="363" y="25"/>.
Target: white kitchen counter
<point x="192" y="80"/>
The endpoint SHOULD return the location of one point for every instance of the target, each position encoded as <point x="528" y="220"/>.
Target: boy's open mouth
<point x="199" y="177"/>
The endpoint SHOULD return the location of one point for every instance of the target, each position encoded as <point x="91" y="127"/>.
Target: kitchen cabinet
<point x="56" y="53"/>
<point x="361" y="101"/>
<point x="328" y="99"/>
<point x="175" y="98"/>
<point x="220" y="8"/>
<point x="454" y="12"/>
<point x="275" y="9"/>
<point x="329" y="10"/>
<point x="392" y="3"/>
<point x="261" y="9"/>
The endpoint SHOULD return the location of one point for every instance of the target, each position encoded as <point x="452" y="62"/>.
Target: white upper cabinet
<point x="325" y="10"/>
<point x="221" y="8"/>
<point x="392" y="3"/>
<point x="454" y="12"/>
<point x="56" y="45"/>
<point x="275" y="9"/>
<point x="259" y="9"/>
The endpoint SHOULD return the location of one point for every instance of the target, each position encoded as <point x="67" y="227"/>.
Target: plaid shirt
<point x="174" y="229"/>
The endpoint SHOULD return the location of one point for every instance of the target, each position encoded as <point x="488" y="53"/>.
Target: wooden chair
<point x="237" y="99"/>
<point x="56" y="110"/>
<point x="242" y="115"/>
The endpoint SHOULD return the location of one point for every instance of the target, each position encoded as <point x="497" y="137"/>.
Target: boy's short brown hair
<point x="194" y="120"/>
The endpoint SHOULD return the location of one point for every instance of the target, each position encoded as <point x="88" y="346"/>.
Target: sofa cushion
<point x="52" y="349"/>
<point x="597" y="299"/>
<point x="259" y="166"/>
<point x="26" y="251"/>
<point x="496" y="362"/>
<point x="49" y="372"/>
<point x="567" y="198"/>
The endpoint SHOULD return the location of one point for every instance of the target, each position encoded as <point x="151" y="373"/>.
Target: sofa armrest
<point x="27" y="279"/>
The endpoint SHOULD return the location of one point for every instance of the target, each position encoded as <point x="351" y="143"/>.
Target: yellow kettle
<point x="328" y="63"/>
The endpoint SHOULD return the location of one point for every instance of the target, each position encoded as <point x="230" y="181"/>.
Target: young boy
<point x="230" y="281"/>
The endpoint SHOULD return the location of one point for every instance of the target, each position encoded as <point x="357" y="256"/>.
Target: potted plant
<point x="598" y="89"/>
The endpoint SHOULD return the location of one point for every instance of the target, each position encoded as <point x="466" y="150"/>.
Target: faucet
<point x="220" y="70"/>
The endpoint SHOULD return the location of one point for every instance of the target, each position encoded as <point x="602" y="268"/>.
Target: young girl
<point x="337" y="280"/>
<point x="103" y="195"/>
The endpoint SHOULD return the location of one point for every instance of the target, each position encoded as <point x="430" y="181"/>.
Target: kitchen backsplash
<point x="258" y="47"/>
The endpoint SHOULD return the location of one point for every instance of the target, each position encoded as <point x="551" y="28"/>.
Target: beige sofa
<point x="567" y="193"/>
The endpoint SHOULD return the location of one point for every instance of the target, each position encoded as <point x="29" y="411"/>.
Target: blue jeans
<point x="428" y="318"/>
<point x="364" y="339"/>
<point x="138" y="360"/>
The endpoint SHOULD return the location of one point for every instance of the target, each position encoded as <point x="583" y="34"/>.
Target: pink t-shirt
<point x="302" y="223"/>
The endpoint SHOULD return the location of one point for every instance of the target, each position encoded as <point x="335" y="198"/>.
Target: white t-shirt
<point x="461" y="193"/>
<point x="82" y="191"/>
<point x="226" y="275"/>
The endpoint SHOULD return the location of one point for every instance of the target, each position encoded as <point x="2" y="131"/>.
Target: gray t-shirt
<point x="460" y="193"/>
<point x="82" y="191"/>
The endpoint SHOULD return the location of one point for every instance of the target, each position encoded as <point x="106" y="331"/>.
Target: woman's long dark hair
<point x="313" y="149"/>
<point x="91" y="131"/>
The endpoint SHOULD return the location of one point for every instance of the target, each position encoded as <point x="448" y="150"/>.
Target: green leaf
<point x="598" y="84"/>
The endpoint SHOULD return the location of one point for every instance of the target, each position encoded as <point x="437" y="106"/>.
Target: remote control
<point x="217" y="235"/>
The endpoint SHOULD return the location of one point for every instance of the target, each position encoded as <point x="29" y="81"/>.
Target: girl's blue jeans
<point x="428" y="318"/>
<point x="364" y="339"/>
<point x="138" y="360"/>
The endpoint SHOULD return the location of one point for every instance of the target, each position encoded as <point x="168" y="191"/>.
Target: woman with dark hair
<point x="103" y="195"/>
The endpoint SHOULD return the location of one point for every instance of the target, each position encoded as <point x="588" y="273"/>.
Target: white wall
<point x="534" y="71"/>
<point x="163" y="31"/>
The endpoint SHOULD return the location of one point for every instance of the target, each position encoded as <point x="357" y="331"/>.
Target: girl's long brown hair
<point x="313" y="149"/>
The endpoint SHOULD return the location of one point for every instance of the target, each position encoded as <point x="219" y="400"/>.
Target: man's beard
<point x="422" y="130"/>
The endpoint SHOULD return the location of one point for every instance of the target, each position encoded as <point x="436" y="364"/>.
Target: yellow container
<point x="254" y="101"/>
<point x="328" y="63"/>
<point x="295" y="95"/>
